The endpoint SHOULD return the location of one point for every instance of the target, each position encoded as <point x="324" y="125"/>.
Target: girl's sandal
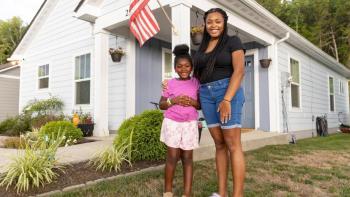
<point x="168" y="194"/>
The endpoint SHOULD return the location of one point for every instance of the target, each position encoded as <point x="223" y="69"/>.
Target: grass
<point x="312" y="167"/>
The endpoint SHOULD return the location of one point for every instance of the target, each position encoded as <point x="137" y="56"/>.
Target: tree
<point x="326" y="23"/>
<point x="11" y="32"/>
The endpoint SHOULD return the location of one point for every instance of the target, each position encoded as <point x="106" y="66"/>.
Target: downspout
<point x="278" y="81"/>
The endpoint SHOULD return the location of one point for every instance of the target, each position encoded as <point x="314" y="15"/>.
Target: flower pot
<point x="196" y="37"/>
<point x="87" y="129"/>
<point x="116" y="57"/>
<point x="265" y="63"/>
<point x="344" y="128"/>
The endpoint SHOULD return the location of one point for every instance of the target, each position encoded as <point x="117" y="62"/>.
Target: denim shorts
<point x="211" y="94"/>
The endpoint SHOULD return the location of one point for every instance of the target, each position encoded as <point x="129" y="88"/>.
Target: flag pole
<point x="166" y="15"/>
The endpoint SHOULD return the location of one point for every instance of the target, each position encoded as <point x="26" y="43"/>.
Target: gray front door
<point x="248" y="116"/>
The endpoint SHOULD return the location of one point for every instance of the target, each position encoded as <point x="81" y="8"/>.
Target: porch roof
<point x="269" y="22"/>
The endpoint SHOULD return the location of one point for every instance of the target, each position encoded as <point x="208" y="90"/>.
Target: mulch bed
<point x="78" y="174"/>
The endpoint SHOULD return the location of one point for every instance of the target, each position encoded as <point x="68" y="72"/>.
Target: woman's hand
<point x="165" y="84"/>
<point x="225" y="111"/>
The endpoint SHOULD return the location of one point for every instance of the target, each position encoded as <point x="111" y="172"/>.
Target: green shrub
<point x="49" y="106"/>
<point x="112" y="157"/>
<point x="55" y="128"/>
<point x="34" y="167"/>
<point x="7" y="124"/>
<point x="146" y="133"/>
<point x="17" y="125"/>
<point x="40" y="120"/>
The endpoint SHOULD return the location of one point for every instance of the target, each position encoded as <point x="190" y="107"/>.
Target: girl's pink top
<point x="178" y="87"/>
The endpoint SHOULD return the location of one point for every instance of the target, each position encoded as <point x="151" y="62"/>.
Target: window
<point x="43" y="76"/>
<point x="341" y="87"/>
<point x="331" y="93"/>
<point x="82" y="79"/>
<point x="295" y="83"/>
<point x="167" y="64"/>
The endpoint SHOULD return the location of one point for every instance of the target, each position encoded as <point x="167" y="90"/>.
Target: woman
<point x="219" y="66"/>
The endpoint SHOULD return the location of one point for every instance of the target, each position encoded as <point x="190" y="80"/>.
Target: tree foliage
<point x="11" y="32"/>
<point x="326" y="23"/>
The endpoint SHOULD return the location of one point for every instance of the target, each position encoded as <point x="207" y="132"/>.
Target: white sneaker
<point x="215" y="195"/>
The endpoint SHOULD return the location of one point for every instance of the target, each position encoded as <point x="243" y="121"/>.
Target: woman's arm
<point x="234" y="85"/>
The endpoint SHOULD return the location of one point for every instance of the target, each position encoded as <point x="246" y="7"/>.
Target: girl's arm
<point x="163" y="104"/>
<point x="195" y="103"/>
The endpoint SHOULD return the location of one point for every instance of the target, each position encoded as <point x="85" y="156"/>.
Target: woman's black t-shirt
<point x="223" y="64"/>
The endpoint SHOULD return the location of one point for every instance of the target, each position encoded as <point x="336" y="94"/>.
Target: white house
<point x="9" y="90"/>
<point x="65" y="53"/>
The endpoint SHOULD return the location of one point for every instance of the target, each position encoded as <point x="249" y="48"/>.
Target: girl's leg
<point x="173" y="155"/>
<point x="187" y="164"/>
<point x="233" y="143"/>
<point x="221" y="158"/>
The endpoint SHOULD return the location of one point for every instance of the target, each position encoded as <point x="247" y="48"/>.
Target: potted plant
<point x="116" y="54"/>
<point x="265" y="63"/>
<point x="86" y="123"/>
<point x="197" y="34"/>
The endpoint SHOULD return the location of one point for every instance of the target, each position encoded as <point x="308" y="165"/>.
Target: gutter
<point x="9" y="68"/>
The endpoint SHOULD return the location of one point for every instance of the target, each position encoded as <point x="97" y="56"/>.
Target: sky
<point x="25" y="9"/>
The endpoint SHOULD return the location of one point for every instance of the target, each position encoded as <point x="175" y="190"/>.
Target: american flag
<point x="142" y="22"/>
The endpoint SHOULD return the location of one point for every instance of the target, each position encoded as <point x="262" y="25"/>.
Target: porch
<point x="145" y="70"/>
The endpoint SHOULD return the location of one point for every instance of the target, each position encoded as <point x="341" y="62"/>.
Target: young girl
<point x="180" y="129"/>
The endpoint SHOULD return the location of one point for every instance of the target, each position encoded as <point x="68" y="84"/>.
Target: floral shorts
<point x="183" y="135"/>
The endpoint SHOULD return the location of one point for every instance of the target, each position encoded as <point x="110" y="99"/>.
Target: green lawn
<point x="312" y="167"/>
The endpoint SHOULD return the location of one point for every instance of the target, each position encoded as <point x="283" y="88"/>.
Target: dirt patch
<point x="322" y="159"/>
<point x="78" y="174"/>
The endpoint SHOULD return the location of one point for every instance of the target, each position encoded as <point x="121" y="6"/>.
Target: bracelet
<point x="169" y="101"/>
<point x="226" y="100"/>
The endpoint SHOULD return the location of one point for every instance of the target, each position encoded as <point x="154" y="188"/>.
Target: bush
<point x="56" y="128"/>
<point x="146" y="133"/>
<point x="14" y="142"/>
<point x="7" y="124"/>
<point x="15" y="126"/>
<point x="49" y="106"/>
<point x="41" y="120"/>
<point x="112" y="158"/>
<point x="34" y="167"/>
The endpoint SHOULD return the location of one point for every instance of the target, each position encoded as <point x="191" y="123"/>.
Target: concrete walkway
<point x="83" y="152"/>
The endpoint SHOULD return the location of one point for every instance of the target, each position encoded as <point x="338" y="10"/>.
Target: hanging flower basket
<point x="197" y="34"/>
<point x="116" y="54"/>
<point x="265" y="63"/>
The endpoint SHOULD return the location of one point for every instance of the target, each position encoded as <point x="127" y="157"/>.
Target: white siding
<point x="57" y="42"/>
<point x="117" y="84"/>
<point x="9" y="90"/>
<point x="113" y="5"/>
<point x="314" y="91"/>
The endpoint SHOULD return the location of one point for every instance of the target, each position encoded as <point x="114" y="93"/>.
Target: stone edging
<point x="92" y="183"/>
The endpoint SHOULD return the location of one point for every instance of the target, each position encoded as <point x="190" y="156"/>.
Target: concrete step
<point x="250" y="141"/>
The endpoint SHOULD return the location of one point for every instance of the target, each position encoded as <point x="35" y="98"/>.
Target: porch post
<point x="100" y="80"/>
<point x="274" y="96"/>
<point x="131" y="77"/>
<point x="181" y="17"/>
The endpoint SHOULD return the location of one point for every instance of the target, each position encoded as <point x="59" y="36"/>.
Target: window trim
<point x="75" y="105"/>
<point x="43" y="77"/>
<point x="341" y="83"/>
<point x="329" y="94"/>
<point x="166" y="50"/>
<point x="291" y="108"/>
